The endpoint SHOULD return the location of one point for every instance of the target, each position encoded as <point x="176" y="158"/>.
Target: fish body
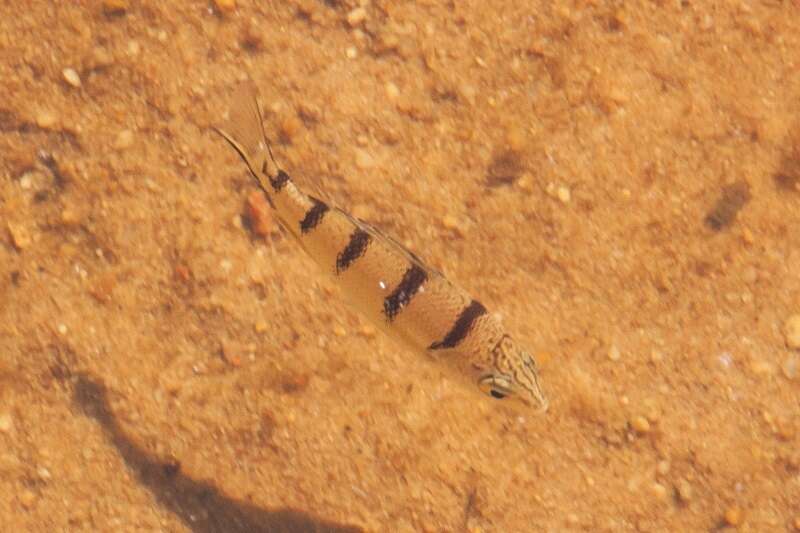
<point x="390" y="285"/>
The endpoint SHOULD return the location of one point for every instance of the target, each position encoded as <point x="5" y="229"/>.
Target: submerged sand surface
<point x="619" y="183"/>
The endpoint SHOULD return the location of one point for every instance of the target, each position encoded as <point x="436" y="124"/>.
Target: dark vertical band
<point x="463" y="325"/>
<point x="412" y="280"/>
<point x="279" y="181"/>
<point x="314" y="215"/>
<point x="359" y="242"/>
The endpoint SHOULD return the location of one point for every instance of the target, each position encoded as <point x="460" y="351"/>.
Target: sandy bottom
<point x="620" y="184"/>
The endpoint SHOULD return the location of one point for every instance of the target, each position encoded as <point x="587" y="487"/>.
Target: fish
<point x="410" y="301"/>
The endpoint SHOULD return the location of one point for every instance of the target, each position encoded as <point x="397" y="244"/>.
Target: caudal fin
<point x="244" y="131"/>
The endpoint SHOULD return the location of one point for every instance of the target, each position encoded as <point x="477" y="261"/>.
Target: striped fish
<point x="385" y="281"/>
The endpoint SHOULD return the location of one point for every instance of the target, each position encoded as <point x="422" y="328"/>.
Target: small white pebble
<point x="71" y="77"/>
<point x="134" y="48"/>
<point x="663" y="467"/>
<point x="468" y="93"/>
<point x="791" y="329"/>
<point x="563" y="194"/>
<point x="26" y="181"/>
<point x="46" y="119"/>
<point x="640" y="424"/>
<point x="525" y="182"/>
<point x="62" y="328"/>
<point x="659" y="490"/>
<point x="6" y="422"/>
<point x="725" y="360"/>
<point x="684" y="491"/>
<point x="450" y="222"/>
<point x="790" y="366"/>
<point x="43" y="473"/>
<point x="124" y="140"/>
<point x="351" y="52"/>
<point x="226" y="265"/>
<point x="392" y="91"/>
<point x="356" y="16"/>
<point x="614" y="353"/>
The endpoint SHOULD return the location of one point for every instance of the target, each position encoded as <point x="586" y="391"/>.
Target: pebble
<point x="258" y="213"/>
<point x="232" y="353"/>
<point x="468" y="93"/>
<point x="290" y="127"/>
<point x="791" y="329"/>
<point x="43" y="473"/>
<point x="614" y="353"/>
<point x="356" y="16"/>
<point x="71" y="77"/>
<point x="525" y="182"/>
<point x="663" y="467"/>
<point x="182" y="272"/>
<point x="26" y="181"/>
<point x="339" y="331"/>
<point x="789" y="366"/>
<point x="734" y="516"/>
<point x="6" y="422"/>
<point x="450" y="222"/>
<point x="134" y="48"/>
<point x="115" y="6"/>
<point x="351" y="52"/>
<point x="684" y="490"/>
<point x="69" y="216"/>
<point x="260" y="326"/>
<point x="392" y="91"/>
<point x="27" y="498"/>
<point x="640" y="424"/>
<point x="368" y="331"/>
<point x="19" y="235"/>
<point x="101" y="57"/>
<point x="225" y="5"/>
<point x="761" y="368"/>
<point x="102" y="287"/>
<point x="363" y="159"/>
<point x="563" y="194"/>
<point x="124" y="140"/>
<point x="660" y="490"/>
<point x="46" y="119"/>
<point x="515" y="137"/>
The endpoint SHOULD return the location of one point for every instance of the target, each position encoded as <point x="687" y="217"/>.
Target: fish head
<point x="510" y="375"/>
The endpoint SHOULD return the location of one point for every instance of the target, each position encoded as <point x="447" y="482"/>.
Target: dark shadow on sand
<point x="201" y="506"/>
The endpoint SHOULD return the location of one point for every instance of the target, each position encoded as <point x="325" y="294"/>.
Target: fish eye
<point x="497" y="394"/>
<point x="495" y="386"/>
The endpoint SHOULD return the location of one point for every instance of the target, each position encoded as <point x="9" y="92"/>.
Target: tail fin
<point x="244" y="131"/>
